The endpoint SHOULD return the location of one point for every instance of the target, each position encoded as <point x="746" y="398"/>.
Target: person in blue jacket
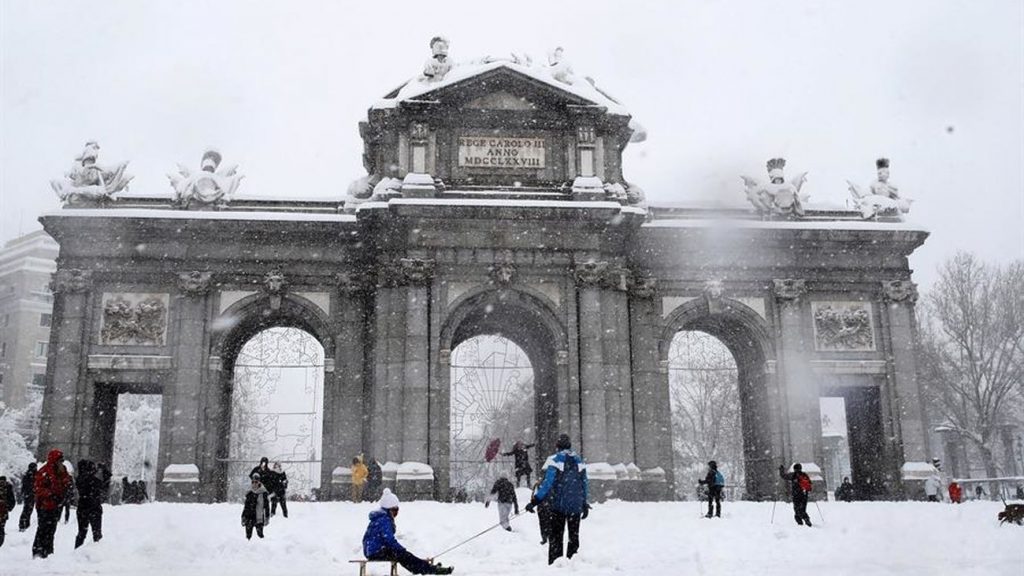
<point x="565" y="488"/>
<point x="715" y="482"/>
<point x="379" y="542"/>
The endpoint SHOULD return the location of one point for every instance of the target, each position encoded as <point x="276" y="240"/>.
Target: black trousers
<point x="556" y="531"/>
<point x="520" y="474"/>
<point x="25" y="521"/>
<point x="3" y="533"/>
<point x="89" y="518"/>
<point x="46" y="527"/>
<point x="800" y="511"/>
<point x="715" y="498"/>
<point x="278" y="497"/>
<point x="248" y="530"/>
<point x="544" y="518"/>
<point x="407" y="559"/>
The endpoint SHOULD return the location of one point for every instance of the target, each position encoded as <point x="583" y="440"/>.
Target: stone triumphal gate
<point x="495" y="203"/>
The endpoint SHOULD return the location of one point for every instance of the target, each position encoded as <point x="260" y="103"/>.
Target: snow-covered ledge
<point x="414" y="471"/>
<point x="181" y="473"/>
<point x="654" y="485"/>
<point x="918" y="471"/>
<point x="588" y="188"/>
<point x="341" y="475"/>
<point x="414" y="481"/>
<point x="416" y="185"/>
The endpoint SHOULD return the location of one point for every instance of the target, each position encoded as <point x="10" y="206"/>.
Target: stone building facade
<point x="495" y="203"/>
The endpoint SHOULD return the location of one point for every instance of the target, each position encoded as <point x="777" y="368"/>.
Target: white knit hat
<point x="388" y="500"/>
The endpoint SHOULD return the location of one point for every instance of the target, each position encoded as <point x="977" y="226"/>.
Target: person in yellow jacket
<point x="359" y="474"/>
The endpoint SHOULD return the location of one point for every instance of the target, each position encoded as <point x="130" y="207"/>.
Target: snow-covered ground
<point x="648" y="539"/>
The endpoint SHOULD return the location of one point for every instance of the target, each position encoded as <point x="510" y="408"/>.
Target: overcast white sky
<point x="721" y="86"/>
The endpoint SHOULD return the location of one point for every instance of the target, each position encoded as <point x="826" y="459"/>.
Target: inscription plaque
<point x="501" y="152"/>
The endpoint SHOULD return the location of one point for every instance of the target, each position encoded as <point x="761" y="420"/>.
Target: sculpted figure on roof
<point x="206" y="186"/>
<point x="777" y="196"/>
<point x="90" y="181"/>
<point x="439" y="65"/>
<point x="881" y="198"/>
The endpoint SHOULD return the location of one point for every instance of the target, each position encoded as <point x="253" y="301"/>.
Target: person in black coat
<point x="845" y="491"/>
<point x="505" y="493"/>
<point x="522" y="460"/>
<point x="800" y="487"/>
<point x="7" y="504"/>
<point x="256" y="510"/>
<point x="277" y="488"/>
<point x="93" y="484"/>
<point x="374" y="480"/>
<point x="28" y="497"/>
<point x="715" y="482"/>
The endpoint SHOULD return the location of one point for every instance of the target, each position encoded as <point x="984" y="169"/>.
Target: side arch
<point x="747" y="336"/>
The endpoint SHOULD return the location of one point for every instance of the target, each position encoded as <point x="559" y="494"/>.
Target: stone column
<point x="181" y="441"/>
<point x="594" y="409"/>
<point x="617" y="376"/>
<point x="899" y="297"/>
<point x="65" y="422"/>
<point x="344" y="407"/>
<point x="652" y="413"/>
<point x="795" y="375"/>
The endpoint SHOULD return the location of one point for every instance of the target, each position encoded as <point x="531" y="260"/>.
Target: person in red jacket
<point x="52" y="484"/>
<point x="955" y="493"/>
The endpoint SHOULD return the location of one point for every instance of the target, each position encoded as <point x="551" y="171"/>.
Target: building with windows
<point x="26" y="307"/>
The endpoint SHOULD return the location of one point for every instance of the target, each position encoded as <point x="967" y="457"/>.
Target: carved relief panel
<point x="134" y="319"/>
<point x="843" y="326"/>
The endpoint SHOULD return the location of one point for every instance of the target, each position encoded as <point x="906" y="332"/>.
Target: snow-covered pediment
<point x="502" y="85"/>
<point x="501" y="100"/>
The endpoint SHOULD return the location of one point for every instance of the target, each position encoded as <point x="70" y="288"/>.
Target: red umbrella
<point x="492" y="449"/>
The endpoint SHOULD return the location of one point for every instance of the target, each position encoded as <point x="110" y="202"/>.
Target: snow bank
<point x="626" y="539"/>
<point x="414" y="471"/>
<point x="181" y="473"/>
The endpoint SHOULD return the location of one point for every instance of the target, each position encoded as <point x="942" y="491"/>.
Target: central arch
<point x="745" y="333"/>
<point x="527" y="321"/>
<point x="234" y="328"/>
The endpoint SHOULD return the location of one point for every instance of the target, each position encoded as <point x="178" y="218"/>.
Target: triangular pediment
<point x="496" y="86"/>
<point x="501" y="100"/>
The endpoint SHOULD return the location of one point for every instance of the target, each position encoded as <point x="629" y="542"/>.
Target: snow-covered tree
<point x="704" y="392"/>
<point x="15" y="454"/>
<point x="972" y="350"/>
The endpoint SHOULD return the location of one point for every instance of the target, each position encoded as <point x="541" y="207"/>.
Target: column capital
<point x="194" y="283"/>
<point x="899" y="291"/>
<point x="789" y="289"/>
<point x="502" y="273"/>
<point x="589" y="274"/>
<point x="71" y="280"/>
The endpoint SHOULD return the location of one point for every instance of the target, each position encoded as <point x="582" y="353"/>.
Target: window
<point x="39" y="380"/>
<point x="45" y="320"/>
<point x="41" y="349"/>
<point x="3" y="349"/>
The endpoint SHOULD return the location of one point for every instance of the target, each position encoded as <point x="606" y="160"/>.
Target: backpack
<point x="568" y="488"/>
<point x="805" y="482"/>
<point x="719" y="479"/>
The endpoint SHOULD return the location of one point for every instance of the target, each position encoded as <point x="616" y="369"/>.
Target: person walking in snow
<point x="799" y="486"/>
<point x="565" y="484"/>
<point x="7" y="503"/>
<point x="505" y="493"/>
<point x="256" y="510"/>
<point x="715" y="482"/>
<point x="543" y="513"/>
<point x="379" y="542"/>
<point x="28" y="497"/>
<point x="374" y="480"/>
<point x="955" y="493"/>
<point x="52" y="487"/>
<point x="359" y="474"/>
<point x="277" y="490"/>
<point x="522" y="461"/>
<point x="93" y="485"/>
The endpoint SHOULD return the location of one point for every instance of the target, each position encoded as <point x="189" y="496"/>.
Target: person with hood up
<point x="566" y="485"/>
<point x="28" y="497"/>
<point x="379" y="542"/>
<point x="93" y="484"/>
<point x="522" y="461"/>
<point x="505" y="493"/>
<point x="715" y="482"/>
<point x="955" y="492"/>
<point x="932" y="486"/>
<point x="845" y="491"/>
<point x="7" y="504"/>
<point x="277" y="491"/>
<point x="52" y="488"/>
<point x="359" y="474"/>
<point x="800" y="486"/>
<point x="374" y="479"/>
<point x="256" y="510"/>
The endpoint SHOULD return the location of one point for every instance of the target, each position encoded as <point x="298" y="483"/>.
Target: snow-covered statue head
<point x="881" y="198"/>
<point x="88" y="182"/>
<point x="438" y="66"/>
<point x="777" y="196"/>
<point x="206" y="186"/>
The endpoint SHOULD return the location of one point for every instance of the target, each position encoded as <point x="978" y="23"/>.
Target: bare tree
<point x="971" y="339"/>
